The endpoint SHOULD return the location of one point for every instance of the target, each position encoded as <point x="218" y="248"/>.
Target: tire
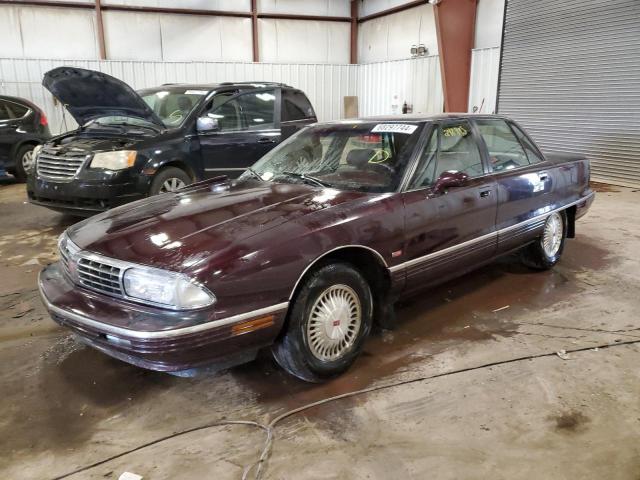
<point x="308" y="349"/>
<point x="170" y="176"/>
<point x="546" y="251"/>
<point x="22" y="163"/>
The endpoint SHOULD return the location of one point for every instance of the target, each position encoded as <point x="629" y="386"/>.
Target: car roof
<point x="217" y="86"/>
<point x="421" y="117"/>
<point x="21" y="101"/>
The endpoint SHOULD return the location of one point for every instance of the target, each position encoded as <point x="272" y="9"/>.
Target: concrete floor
<point x="502" y="404"/>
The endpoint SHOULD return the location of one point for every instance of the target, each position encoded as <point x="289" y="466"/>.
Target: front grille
<point x="100" y="276"/>
<point x="59" y="168"/>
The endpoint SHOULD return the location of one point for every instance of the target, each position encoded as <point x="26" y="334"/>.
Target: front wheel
<point x="545" y="252"/>
<point x="23" y="162"/>
<point x="168" y="180"/>
<point x="328" y="323"/>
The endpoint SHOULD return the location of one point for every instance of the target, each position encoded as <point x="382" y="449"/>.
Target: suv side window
<point x="505" y="150"/>
<point x="458" y="152"/>
<point x="258" y="109"/>
<point x="533" y="154"/>
<point x="4" y="114"/>
<point x="295" y="106"/>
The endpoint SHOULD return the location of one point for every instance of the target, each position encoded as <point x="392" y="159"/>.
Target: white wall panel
<point x="416" y="81"/>
<point x="303" y="41"/>
<point x="132" y="36"/>
<point x="326" y="85"/>
<point x="227" y="5"/>
<point x="368" y="7"/>
<point x="489" y="14"/>
<point x="390" y="37"/>
<point x="483" y="86"/>
<point x="60" y="32"/>
<point x="332" y="8"/>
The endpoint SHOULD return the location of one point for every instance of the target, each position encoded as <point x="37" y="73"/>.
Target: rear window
<point x="295" y="106"/>
<point x="10" y="110"/>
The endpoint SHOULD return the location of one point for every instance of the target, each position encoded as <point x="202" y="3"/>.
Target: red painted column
<point x="455" y="28"/>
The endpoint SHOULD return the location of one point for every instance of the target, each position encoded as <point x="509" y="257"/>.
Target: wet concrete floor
<point x="65" y="406"/>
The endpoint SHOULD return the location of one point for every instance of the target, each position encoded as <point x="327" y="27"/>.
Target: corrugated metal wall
<point x="325" y="85"/>
<point x="571" y="75"/>
<point x="416" y="81"/>
<point x="485" y="65"/>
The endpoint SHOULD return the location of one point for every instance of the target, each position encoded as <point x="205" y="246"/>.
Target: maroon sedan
<point x="313" y="245"/>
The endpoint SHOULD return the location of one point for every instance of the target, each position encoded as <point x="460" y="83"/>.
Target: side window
<point x="505" y="151"/>
<point x="258" y="109"/>
<point x="4" y="114"/>
<point x="533" y="154"/>
<point x="458" y="150"/>
<point x="295" y="106"/>
<point x="226" y="111"/>
<point x="16" y="110"/>
<point x="427" y="164"/>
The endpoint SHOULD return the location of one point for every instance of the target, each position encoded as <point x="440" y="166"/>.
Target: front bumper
<point x="85" y="197"/>
<point x="154" y="338"/>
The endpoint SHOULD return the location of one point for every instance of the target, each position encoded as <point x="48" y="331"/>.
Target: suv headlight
<point x="116" y="160"/>
<point x="166" y="288"/>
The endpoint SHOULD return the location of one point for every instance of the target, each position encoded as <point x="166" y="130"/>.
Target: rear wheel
<point x="328" y="323"/>
<point x="169" y="179"/>
<point x="23" y="162"/>
<point x="545" y="252"/>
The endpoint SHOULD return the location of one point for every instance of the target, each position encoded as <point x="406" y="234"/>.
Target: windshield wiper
<point x="308" y="179"/>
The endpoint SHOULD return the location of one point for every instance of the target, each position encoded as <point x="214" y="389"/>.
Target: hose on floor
<point x="259" y="465"/>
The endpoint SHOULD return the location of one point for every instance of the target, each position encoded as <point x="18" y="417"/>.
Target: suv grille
<point x="99" y="276"/>
<point x="59" y="168"/>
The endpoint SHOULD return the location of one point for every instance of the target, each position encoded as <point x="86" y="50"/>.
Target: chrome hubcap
<point x="171" y="185"/>
<point x="552" y="235"/>
<point x="334" y="323"/>
<point x="27" y="161"/>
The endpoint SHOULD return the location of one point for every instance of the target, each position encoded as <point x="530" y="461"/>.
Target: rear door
<point x="524" y="181"/>
<point x="296" y="111"/>
<point x="249" y="128"/>
<point x="8" y="135"/>
<point x="452" y="231"/>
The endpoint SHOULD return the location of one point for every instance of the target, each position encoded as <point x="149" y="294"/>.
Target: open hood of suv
<point x="88" y="95"/>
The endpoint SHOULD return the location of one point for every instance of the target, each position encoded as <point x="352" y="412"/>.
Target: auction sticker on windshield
<point x="394" y="128"/>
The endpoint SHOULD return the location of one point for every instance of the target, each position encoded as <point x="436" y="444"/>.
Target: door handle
<point x="267" y="140"/>
<point x="543" y="176"/>
<point x="485" y="193"/>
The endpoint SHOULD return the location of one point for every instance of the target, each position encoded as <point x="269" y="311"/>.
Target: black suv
<point x="133" y="144"/>
<point x="23" y="126"/>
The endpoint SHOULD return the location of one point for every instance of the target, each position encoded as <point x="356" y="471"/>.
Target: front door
<point x="454" y="230"/>
<point x="248" y="128"/>
<point x="524" y="182"/>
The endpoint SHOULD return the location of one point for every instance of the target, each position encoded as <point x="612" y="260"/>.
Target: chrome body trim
<point x="473" y="241"/>
<point x="157" y="335"/>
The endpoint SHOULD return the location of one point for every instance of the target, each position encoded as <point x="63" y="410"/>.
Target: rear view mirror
<point x="450" y="179"/>
<point x="207" y="124"/>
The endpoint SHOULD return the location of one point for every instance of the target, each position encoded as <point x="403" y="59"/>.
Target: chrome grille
<point x="59" y="168"/>
<point x="100" y="276"/>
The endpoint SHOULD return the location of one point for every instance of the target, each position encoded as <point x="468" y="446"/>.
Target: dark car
<point x="134" y="144"/>
<point x="313" y="244"/>
<point x="23" y="126"/>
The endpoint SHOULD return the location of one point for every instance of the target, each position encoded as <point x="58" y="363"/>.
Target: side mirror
<point x="207" y="124"/>
<point x="450" y="179"/>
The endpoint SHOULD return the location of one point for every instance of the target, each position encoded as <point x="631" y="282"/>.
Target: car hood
<point x="182" y="231"/>
<point x="88" y="95"/>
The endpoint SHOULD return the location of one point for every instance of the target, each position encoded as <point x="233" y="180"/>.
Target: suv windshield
<point x="368" y="157"/>
<point x="173" y="105"/>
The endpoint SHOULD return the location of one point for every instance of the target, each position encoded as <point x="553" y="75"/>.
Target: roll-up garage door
<point x="570" y="74"/>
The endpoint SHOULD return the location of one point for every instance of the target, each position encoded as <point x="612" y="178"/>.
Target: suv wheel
<point x="328" y="323"/>
<point x="169" y="180"/>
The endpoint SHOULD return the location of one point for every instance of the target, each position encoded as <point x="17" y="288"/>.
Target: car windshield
<point x="173" y="105"/>
<point x="369" y="157"/>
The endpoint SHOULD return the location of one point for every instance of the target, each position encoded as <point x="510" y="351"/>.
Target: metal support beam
<point x="254" y="30"/>
<point x="389" y="11"/>
<point x="354" y="31"/>
<point x="455" y="29"/>
<point x="101" y="42"/>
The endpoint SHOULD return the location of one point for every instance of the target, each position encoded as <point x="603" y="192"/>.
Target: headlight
<point x="117" y="160"/>
<point x="166" y="288"/>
